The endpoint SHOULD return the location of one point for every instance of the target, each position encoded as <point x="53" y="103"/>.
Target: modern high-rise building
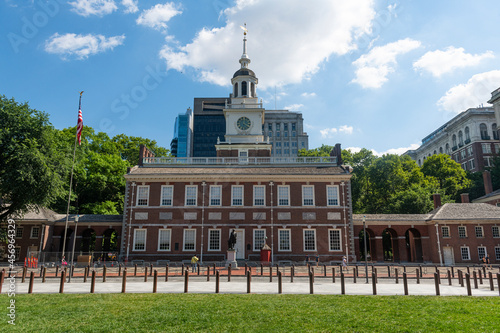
<point x="470" y="138"/>
<point x="208" y="125"/>
<point x="181" y="144"/>
<point x="285" y="130"/>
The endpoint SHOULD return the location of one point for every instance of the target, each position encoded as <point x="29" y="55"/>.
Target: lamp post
<point x="271" y="184"/>
<point x="204" y="184"/>
<point x="366" y="254"/>
<point x="73" y="250"/>
<point x="130" y="222"/>
<point x="345" y="223"/>
<point x="439" y="246"/>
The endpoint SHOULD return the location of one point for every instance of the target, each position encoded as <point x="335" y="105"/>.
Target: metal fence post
<point x="436" y="283"/>
<point x="405" y="283"/>
<point x="92" y="283"/>
<point x="32" y="279"/>
<point x="124" y="280"/>
<point x="63" y="279"/>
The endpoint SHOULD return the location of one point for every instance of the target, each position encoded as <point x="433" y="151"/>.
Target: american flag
<point x="79" y="125"/>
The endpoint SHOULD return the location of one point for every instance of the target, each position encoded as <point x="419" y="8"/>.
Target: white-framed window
<point x="464" y="165"/>
<point x="35" y="231"/>
<point x="463" y="154"/>
<point x="167" y="195"/>
<point x="445" y="231"/>
<point x="309" y="239"/>
<point x="497" y="253"/>
<point x="191" y="195"/>
<point x="283" y="195"/>
<point x="335" y="240"/>
<point x="215" y="195"/>
<point x="237" y="195"/>
<point x="332" y="195"/>
<point x="142" y="195"/>
<point x="486" y="148"/>
<point x="284" y="240"/>
<point x="19" y="232"/>
<point x="469" y="150"/>
<point x="308" y="195"/>
<point x="214" y="239"/>
<point x="259" y="195"/>
<point x="462" y="232"/>
<point x="140" y="239"/>
<point x="259" y="239"/>
<point x="496" y="232"/>
<point x="479" y="231"/>
<point x="189" y="240"/>
<point x="471" y="165"/>
<point x="488" y="161"/>
<point x="481" y="252"/>
<point x="464" y="250"/>
<point x="164" y="236"/>
<point x="17" y="252"/>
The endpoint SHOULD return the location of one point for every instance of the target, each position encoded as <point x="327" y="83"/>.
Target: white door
<point x="240" y="244"/>
<point x="448" y="255"/>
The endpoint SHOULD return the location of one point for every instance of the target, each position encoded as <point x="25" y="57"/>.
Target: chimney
<point x="465" y="197"/>
<point x="337" y="152"/>
<point x="488" y="187"/>
<point x="437" y="200"/>
<point x="144" y="152"/>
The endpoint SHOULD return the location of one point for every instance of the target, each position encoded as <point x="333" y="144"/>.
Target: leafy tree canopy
<point x="32" y="160"/>
<point x="324" y="150"/>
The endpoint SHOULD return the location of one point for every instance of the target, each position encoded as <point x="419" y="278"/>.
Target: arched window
<point x="454" y="141"/>
<point x="235" y="93"/>
<point x="495" y="132"/>
<point x="419" y="162"/>
<point x="440" y="150"/>
<point x="467" y="135"/>
<point x="447" y="148"/>
<point x="484" y="132"/>
<point x="435" y="152"/>
<point x="244" y="89"/>
<point x="460" y="139"/>
<point x="253" y="89"/>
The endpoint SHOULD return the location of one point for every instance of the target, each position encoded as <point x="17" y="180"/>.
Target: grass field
<point x="250" y="313"/>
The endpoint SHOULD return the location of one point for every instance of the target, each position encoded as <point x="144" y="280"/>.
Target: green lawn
<point x="250" y="313"/>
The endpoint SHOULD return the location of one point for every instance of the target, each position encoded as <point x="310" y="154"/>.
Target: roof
<point x="90" y="218"/>
<point x="392" y="217"/>
<point x="490" y="196"/>
<point x="40" y="213"/>
<point x="466" y="211"/>
<point x="238" y="170"/>
<point x="244" y="71"/>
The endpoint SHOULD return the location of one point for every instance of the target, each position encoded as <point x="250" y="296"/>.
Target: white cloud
<point x="372" y="68"/>
<point x="284" y="48"/>
<point x="130" y="6"/>
<point x="307" y="95"/>
<point x="440" y="62"/>
<point x="330" y="132"/>
<point x="294" y="107"/>
<point x="157" y="17"/>
<point x="93" y="7"/>
<point x="468" y="95"/>
<point x="81" y="46"/>
<point x="397" y="151"/>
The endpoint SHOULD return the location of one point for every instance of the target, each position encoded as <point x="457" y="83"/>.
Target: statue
<point x="232" y="240"/>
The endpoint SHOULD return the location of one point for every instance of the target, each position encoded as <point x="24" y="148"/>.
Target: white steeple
<point x="244" y="60"/>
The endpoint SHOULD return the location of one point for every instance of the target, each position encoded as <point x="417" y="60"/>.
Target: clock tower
<point x="244" y="115"/>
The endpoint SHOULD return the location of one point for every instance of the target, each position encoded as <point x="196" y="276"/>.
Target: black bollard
<point x="249" y="281"/>
<point x="474" y="276"/>
<point x="418" y="276"/>
<point x="24" y="275"/>
<point x="492" y="286"/>
<point x="229" y="273"/>
<point x="396" y="275"/>
<point x="280" y="286"/>
<point x="32" y="279"/>
<point x="342" y="283"/>
<point x="104" y="269"/>
<point x="374" y="283"/>
<point x="145" y="273"/>
<point x="124" y="280"/>
<point x="208" y="273"/>
<point x="150" y="269"/>
<point x="311" y="283"/>
<point x="166" y="273"/>
<point x="155" y="281"/>
<point x="480" y="277"/>
<point x="135" y="269"/>
<point x="270" y="273"/>
<point x="449" y="277"/>
<point x="467" y="280"/>
<point x="63" y="279"/>
<point x="44" y="274"/>
<point x="405" y="283"/>
<point x="186" y="280"/>
<point x="436" y="283"/>
<point x="92" y="283"/>
<point x="333" y="274"/>
<point x="217" y="280"/>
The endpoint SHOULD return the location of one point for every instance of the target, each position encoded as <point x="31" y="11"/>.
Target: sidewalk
<point x="259" y="285"/>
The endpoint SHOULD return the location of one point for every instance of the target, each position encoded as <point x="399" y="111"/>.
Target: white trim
<point x="304" y="198"/>
<point x="160" y="231"/>
<point x="339" y="231"/>
<point x="479" y="227"/>
<point x="304" y="240"/>
<point x="31" y="232"/>
<point x="461" y="253"/>
<point x="233" y="187"/>
<point x="135" y="238"/>
<point x="210" y="195"/>
<point x="485" y="252"/>
<point x="289" y="240"/>
<point x="278" y="195"/>
<point x="338" y="195"/>
<point x="254" y="238"/>
<point x="253" y="201"/>
<point x="186" y="195"/>
<point x="140" y="198"/>
<point x="171" y="196"/>
<point x="209" y="238"/>
<point x="184" y="240"/>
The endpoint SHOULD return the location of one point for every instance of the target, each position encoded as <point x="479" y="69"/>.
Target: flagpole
<point x="71" y="180"/>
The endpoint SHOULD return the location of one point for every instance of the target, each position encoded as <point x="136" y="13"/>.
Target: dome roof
<point x="244" y="71"/>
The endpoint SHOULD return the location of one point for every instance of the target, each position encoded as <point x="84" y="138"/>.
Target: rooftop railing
<point x="183" y="161"/>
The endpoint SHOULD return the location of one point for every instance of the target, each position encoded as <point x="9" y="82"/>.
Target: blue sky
<point x="374" y="74"/>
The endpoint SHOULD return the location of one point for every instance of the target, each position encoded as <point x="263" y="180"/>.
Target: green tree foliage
<point x="360" y="182"/>
<point x="450" y="176"/>
<point x="324" y="150"/>
<point x="129" y="147"/>
<point x="476" y="188"/>
<point x="31" y="159"/>
<point x="495" y="173"/>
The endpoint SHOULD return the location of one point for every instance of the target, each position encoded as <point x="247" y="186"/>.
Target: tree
<point x="324" y="150"/>
<point x="495" y="172"/>
<point x="450" y="176"/>
<point x="360" y="162"/>
<point x="129" y="147"/>
<point x="31" y="159"/>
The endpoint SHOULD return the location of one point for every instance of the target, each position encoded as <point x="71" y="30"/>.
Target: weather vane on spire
<point x="245" y="30"/>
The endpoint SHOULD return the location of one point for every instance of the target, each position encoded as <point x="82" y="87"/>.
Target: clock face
<point x="243" y="123"/>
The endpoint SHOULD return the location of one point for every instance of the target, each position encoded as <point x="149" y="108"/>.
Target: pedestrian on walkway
<point x="344" y="263"/>
<point x="194" y="261"/>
